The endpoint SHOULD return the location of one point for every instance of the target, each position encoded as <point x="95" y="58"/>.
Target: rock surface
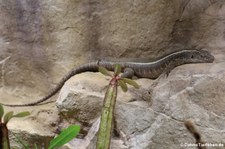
<point x="38" y="128"/>
<point x="194" y="91"/>
<point x="41" y="40"/>
<point x="44" y="39"/>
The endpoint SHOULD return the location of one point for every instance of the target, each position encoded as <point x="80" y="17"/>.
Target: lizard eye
<point x="192" y="56"/>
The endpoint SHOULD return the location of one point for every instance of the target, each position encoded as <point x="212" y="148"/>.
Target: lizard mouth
<point x="206" y="56"/>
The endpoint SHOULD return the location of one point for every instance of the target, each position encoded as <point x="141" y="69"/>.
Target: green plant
<point x="104" y="133"/>
<point x="65" y="136"/>
<point x="105" y="129"/>
<point x="4" y="119"/>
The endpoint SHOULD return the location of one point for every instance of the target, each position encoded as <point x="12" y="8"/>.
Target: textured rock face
<point x="44" y="39"/>
<point x="41" y="40"/>
<point x="83" y="95"/>
<point x="194" y="91"/>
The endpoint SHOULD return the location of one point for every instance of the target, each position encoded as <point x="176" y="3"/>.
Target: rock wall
<point x="41" y="40"/>
<point x="44" y="39"/>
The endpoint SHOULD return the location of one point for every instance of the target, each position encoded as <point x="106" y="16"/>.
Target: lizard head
<point x="200" y="56"/>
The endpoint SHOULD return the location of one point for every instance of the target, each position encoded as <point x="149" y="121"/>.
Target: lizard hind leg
<point x="127" y="73"/>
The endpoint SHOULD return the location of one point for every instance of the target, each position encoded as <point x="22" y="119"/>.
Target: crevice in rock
<point x="3" y="71"/>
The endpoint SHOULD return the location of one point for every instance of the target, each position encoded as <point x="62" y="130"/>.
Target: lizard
<point x="151" y="69"/>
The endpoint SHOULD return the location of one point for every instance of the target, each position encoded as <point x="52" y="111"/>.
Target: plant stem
<point x="105" y="129"/>
<point x="4" y="136"/>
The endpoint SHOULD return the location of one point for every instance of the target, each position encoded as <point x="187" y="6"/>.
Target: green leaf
<point x="8" y="116"/>
<point x="122" y="85"/>
<point x="130" y="82"/>
<point x="1" y="112"/>
<point x="35" y="146"/>
<point x="22" y="114"/>
<point x="104" y="71"/>
<point x="65" y="136"/>
<point x="117" y="68"/>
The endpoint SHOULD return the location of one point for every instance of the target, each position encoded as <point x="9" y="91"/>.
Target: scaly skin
<point x="151" y="70"/>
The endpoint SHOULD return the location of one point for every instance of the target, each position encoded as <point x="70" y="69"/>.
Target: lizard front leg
<point x="127" y="73"/>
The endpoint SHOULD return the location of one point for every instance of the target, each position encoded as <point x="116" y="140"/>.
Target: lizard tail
<point x="93" y="67"/>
